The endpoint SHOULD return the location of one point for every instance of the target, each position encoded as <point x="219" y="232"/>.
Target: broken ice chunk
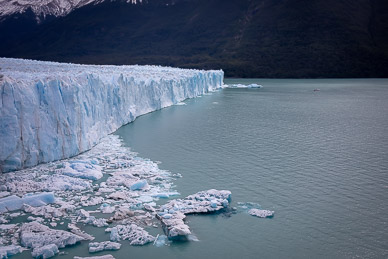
<point x="35" y="235"/>
<point x="106" y="208"/>
<point x="261" y="213"/>
<point x="97" y="222"/>
<point x="172" y="214"/>
<point x="255" y="209"/>
<point x="82" y="169"/>
<point x="134" y="234"/>
<point x="101" y="246"/>
<point x="245" y="86"/>
<point x="14" y="202"/>
<point x="46" y="251"/>
<point x="92" y="201"/>
<point x="139" y="185"/>
<point x="75" y="230"/>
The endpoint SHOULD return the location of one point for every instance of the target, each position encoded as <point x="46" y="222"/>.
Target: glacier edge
<point x="52" y="111"/>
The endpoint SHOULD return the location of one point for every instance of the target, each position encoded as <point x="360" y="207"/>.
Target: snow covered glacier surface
<point x="51" y="111"/>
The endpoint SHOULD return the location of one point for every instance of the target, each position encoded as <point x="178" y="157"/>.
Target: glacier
<point x="52" y="111"/>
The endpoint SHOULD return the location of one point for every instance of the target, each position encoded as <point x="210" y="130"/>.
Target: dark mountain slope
<point x="258" y="38"/>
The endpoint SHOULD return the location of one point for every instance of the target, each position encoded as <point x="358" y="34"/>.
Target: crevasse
<point x="52" y="111"/>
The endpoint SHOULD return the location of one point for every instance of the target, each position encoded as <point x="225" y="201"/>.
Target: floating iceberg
<point x="75" y="230"/>
<point x="106" y="208"/>
<point x="35" y="235"/>
<point x="255" y="209"/>
<point x="82" y="169"/>
<point x="52" y="111"/>
<point x="134" y="234"/>
<point x="14" y="202"/>
<point x="101" y="246"/>
<point x="261" y="213"/>
<point x="174" y="212"/>
<point x="139" y="185"/>
<point x="46" y="251"/>
<point x="245" y="86"/>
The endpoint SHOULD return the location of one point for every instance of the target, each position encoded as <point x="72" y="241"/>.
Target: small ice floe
<point x="47" y="212"/>
<point x="6" y="251"/>
<point x="101" y="246"/>
<point x="149" y="207"/>
<point x="37" y="219"/>
<point x="84" y="216"/>
<point x="96" y="257"/>
<point x="44" y="252"/>
<point x="14" y="215"/>
<point x="128" y="180"/>
<point x="92" y="201"/>
<point x="82" y="169"/>
<point x="139" y="185"/>
<point x="173" y="213"/>
<point x="97" y="222"/>
<point x="14" y="202"/>
<point x="180" y="103"/>
<point x="118" y="196"/>
<point x="42" y="239"/>
<point x="245" y="86"/>
<point x="106" y="208"/>
<point x="255" y="209"/>
<point x="174" y="226"/>
<point x="261" y="213"/>
<point x="134" y="234"/>
<point x="120" y="214"/>
<point x="75" y="230"/>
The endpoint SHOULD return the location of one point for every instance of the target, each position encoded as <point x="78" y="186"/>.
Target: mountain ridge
<point x="246" y="38"/>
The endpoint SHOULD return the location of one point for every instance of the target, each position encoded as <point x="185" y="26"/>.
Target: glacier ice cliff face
<point x="51" y="111"/>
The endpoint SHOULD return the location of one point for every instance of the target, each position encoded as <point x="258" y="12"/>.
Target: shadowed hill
<point x="246" y="38"/>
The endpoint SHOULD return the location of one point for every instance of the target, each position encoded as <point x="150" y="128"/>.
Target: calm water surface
<point x="319" y="159"/>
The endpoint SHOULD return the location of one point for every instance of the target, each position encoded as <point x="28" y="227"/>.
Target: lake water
<point x="319" y="159"/>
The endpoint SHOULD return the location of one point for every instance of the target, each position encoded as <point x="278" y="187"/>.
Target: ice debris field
<point x="47" y="207"/>
<point x="110" y="181"/>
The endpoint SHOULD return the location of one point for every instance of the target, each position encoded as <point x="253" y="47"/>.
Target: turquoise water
<point x="319" y="159"/>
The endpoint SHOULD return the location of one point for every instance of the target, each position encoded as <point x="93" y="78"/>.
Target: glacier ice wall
<point x="51" y="111"/>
